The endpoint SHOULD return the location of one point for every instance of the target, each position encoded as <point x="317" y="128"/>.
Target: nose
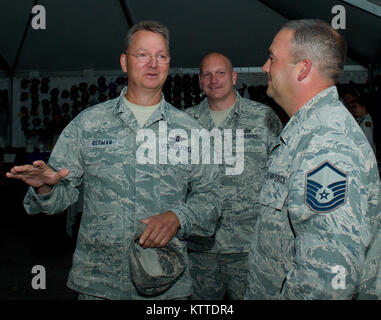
<point x="152" y="61"/>
<point x="213" y="77"/>
<point x="265" y="67"/>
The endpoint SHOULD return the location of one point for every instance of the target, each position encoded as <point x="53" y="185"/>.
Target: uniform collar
<point x="364" y="117"/>
<point x="327" y="96"/>
<point x="205" y="118"/>
<point x="120" y="109"/>
<point x="237" y="104"/>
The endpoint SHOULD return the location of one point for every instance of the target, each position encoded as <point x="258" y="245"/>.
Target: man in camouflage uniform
<point x="100" y="147"/>
<point x="358" y="108"/>
<point x="317" y="235"/>
<point x="219" y="264"/>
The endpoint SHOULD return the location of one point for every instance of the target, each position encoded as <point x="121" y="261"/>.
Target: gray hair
<point x="316" y="40"/>
<point x="148" y="25"/>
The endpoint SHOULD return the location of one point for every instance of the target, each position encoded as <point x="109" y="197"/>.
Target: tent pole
<point x="127" y="13"/>
<point x="12" y="72"/>
<point x="10" y="113"/>
<point x="23" y="38"/>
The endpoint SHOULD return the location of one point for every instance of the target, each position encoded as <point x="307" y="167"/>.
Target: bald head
<point x="217" y="80"/>
<point x="216" y="56"/>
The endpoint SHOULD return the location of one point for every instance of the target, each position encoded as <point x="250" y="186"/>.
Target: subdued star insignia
<point x="326" y="188"/>
<point x="177" y="138"/>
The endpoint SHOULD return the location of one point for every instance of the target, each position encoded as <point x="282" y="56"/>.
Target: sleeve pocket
<point x="273" y="194"/>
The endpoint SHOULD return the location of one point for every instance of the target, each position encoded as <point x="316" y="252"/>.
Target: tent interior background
<point x="82" y="43"/>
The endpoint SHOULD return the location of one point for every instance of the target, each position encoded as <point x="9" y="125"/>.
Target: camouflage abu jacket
<point x="260" y="126"/>
<point x="320" y="209"/>
<point x="100" y="148"/>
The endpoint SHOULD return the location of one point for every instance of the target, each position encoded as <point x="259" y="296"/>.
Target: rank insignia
<point x="326" y="188"/>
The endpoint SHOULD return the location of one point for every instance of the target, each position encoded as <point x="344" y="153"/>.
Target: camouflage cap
<point x="154" y="270"/>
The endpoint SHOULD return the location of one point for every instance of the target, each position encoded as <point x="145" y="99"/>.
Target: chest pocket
<point x="108" y="170"/>
<point x="105" y="153"/>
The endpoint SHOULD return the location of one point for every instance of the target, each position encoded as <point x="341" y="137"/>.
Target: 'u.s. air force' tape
<point x="326" y="188"/>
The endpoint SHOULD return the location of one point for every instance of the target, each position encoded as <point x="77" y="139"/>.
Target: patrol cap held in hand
<point x="154" y="270"/>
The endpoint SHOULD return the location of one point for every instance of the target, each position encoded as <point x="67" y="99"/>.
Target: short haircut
<point x="148" y="25"/>
<point x="317" y="41"/>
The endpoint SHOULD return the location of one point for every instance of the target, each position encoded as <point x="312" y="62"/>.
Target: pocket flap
<point x="274" y="191"/>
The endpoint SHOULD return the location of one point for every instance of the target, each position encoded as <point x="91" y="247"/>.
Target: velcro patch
<point x="105" y="142"/>
<point x="326" y="188"/>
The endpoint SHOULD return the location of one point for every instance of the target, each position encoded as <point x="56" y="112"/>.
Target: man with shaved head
<point x="219" y="264"/>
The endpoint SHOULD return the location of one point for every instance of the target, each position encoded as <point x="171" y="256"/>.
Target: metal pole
<point x="23" y="39"/>
<point x="10" y="109"/>
<point x="127" y="13"/>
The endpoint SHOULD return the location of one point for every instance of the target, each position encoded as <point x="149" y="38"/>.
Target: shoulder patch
<point x="368" y="124"/>
<point x="325" y="188"/>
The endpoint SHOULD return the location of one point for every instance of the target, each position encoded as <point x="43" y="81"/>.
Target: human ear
<point x="304" y="69"/>
<point x="123" y="62"/>
<point x="234" y="76"/>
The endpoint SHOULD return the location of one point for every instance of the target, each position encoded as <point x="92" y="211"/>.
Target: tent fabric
<point x="86" y="34"/>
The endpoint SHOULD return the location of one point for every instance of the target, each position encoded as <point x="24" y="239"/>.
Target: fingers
<point x="63" y="173"/>
<point x="160" y="230"/>
<point x="12" y="175"/>
<point x="165" y="240"/>
<point x="151" y="236"/>
<point x="18" y="172"/>
<point x="39" y="164"/>
<point x="21" y="169"/>
<point x="38" y="174"/>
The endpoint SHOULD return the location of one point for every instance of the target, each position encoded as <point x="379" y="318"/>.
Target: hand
<point x="160" y="229"/>
<point x="38" y="175"/>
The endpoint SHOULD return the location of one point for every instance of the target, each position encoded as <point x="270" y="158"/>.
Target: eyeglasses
<point x="146" y="57"/>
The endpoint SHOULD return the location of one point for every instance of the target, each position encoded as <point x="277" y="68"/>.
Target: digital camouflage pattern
<point x="366" y="124"/>
<point x="320" y="210"/>
<point x="219" y="263"/>
<point x="240" y="193"/>
<point x="99" y="147"/>
<point x="215" y="275"/>
<point x="154" y="270"/>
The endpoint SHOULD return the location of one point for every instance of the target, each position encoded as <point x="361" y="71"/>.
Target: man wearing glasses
<point x="99" y="147"/>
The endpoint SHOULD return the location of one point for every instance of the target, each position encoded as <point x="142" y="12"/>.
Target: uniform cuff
<point x="183" y="232"/>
